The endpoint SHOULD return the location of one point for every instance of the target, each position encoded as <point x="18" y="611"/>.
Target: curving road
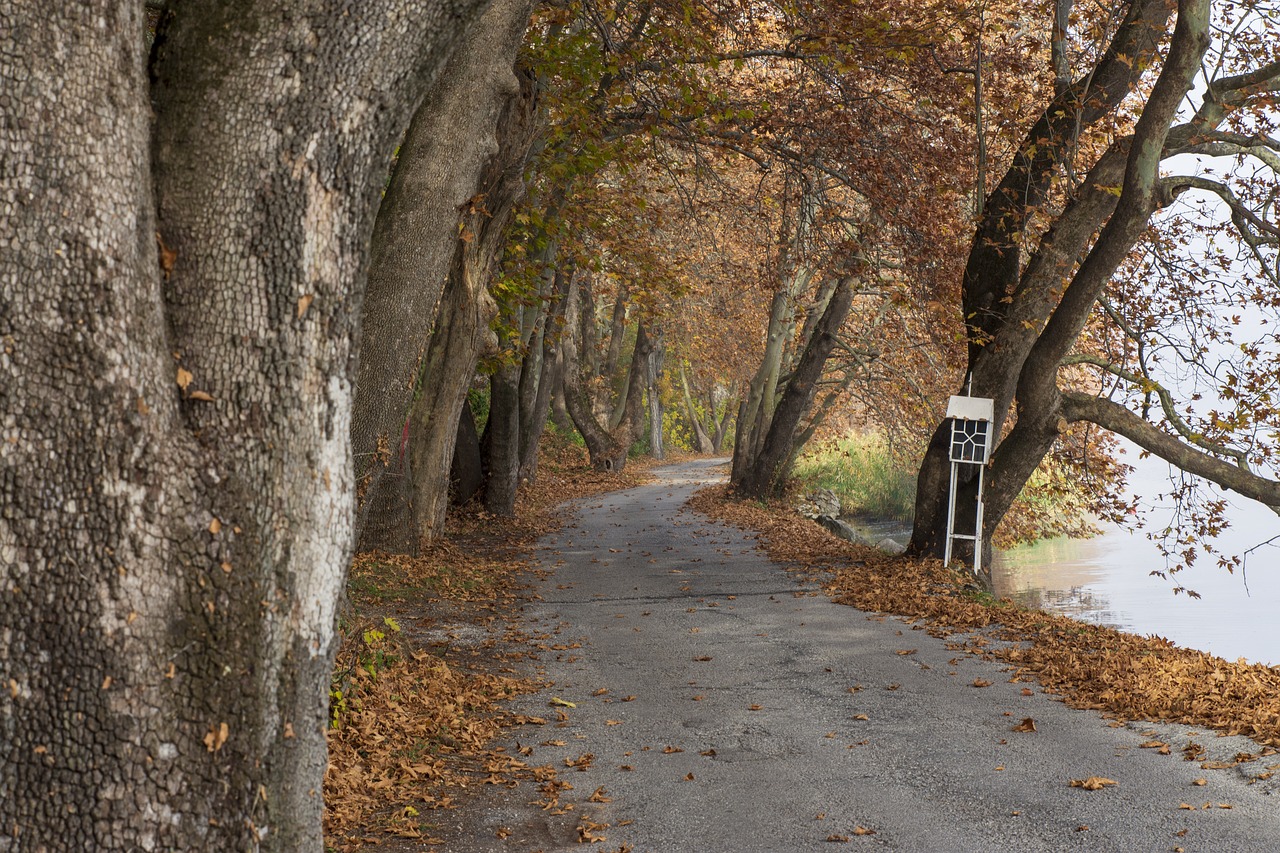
<point x="726" y="707"/>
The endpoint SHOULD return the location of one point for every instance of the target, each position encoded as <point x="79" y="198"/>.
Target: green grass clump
<point x="862" y="471"/>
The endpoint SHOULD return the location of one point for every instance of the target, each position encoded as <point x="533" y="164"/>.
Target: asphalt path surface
<point x="725" y="705"/>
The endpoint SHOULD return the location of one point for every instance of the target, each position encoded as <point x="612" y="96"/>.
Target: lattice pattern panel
<point x="969" y="441"/>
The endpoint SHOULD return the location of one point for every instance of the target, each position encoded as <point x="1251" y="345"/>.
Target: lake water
<point x="1107" y="580"/>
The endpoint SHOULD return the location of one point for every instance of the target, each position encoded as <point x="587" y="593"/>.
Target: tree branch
<point x="1241" y="216"/>
<point x="1138" y="196"/>
<point x="1180" y="426"/>
<point x="1116" y="418"/>
<point x="1216" y="143"/>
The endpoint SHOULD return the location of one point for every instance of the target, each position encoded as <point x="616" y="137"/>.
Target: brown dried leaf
<point x="589" y="831"/>
<point x="216" y="737"/>
<point x="168" y="257"/>
<point x="1093" y="783"/>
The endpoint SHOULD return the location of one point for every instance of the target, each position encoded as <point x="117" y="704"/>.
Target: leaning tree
<point x="184" y="234"/>
<point x="1086" y="269"/>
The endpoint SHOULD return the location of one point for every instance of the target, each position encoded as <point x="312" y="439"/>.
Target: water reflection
<point x="1058" y="575"/>
<point x="1107" y="580"/>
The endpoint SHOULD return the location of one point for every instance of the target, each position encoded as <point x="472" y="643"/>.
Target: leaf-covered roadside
<point x="1122" y="675"/>
<point x="430" y="651"/>
<point x="412" y="714"/>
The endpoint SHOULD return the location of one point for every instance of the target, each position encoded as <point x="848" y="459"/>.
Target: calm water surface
<point x="1107" y="580"/>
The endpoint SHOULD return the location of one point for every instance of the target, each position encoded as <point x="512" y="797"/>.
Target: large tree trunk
<point x="762" y="393"/>
<point x="766" y="476"/>
<point x="1025" y="320"/>
<point x="607" y="448"/>
<point x="723" y="422"/>
<point x="502" y="440"/>
<point x="454" y="169"/>
<point x="462" y="333"/>
<point x="559" y="408"/>
<point x="172" y="552"/>
<point x="514" y="391"/>
<point x="534" y="421"/>
<point x="606" y="369"/>
<point x="466" y="472"/>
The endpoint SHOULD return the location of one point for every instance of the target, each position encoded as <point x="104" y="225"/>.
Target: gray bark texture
<point x="502" y="441"/>
<point x="652" y="374"/>
<point x="767" y="474"/>
<point x="762" y="394"/>
<point x="534" y="420"/>
<point x="520" y="397"/>
<point x="466" y="473"/>
<point x="722" y="425"/>
<point x="181" y="274"/>
<point x="463" y="137"/>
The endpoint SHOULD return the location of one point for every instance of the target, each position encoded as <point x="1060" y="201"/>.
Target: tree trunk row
<point x="429" y="313"/>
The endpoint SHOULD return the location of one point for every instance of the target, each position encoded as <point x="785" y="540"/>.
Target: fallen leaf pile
<point x="416" y="712"/>
<point x="1091" y="666"/>
<point x="409" y="737"/>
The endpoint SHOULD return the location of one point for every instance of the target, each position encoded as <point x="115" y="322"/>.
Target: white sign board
<point x="972" y="408"/>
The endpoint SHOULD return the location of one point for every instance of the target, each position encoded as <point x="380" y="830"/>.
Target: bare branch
<point x="1232" y="91"/>
<point x="1180" y="426"/>
<point x="1211" y="142"/>
<point x="1246" y="221"/>
<point x="1118" y="419"/>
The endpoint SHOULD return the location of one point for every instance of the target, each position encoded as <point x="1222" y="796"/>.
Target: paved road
<point x="729" y="708"/>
